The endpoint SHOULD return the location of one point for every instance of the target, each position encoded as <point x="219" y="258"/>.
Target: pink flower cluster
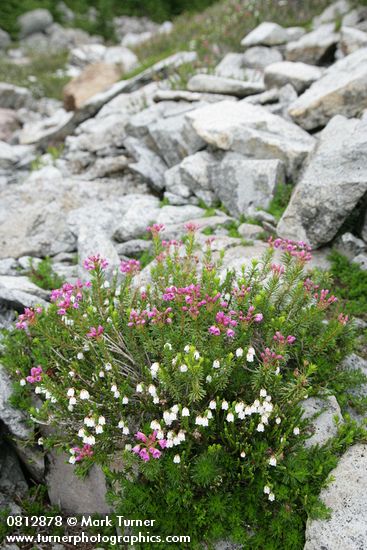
<point x="95" y="262"/>
<point x="270" y="357"/>
<point x="343" y="319"/>
<point x="148" y="448"/>
<point x="242" y="292"/>
<point x="35" y="376"/>
<point x="282" y="340"/>
<point x="323" y="299"/>
<point x="225" y="323"/>
<point x="95" y="332"/>
<point x="191" y="227"/>
<point x="27" y="318"/>
<point x="309" y="285"/>
<point x="298" y="249"/>
<point x="68" y="296"/>
<point x="250" y="316"/>
<point x="84" y="452"/>
<point x="192" y="297"/>
<point x="130" y="266"/>
<point x="156" y="228"/>
<point x="278" y="270"/>
<point x="156" y="317"/>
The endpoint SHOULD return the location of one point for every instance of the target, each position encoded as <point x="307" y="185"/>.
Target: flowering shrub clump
<point x="193" y="381"/>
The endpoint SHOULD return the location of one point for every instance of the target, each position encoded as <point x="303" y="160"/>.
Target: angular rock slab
<point x="347" y="498"/>
<point x="266" y="34"/>
<point x="13" y="418"/>
<point x="342" y="90"/>
<point x="331" y="186"/>
<point x="219" y="85"/>
<point x="321" y="412"/>
<point x="314" y="47"/>
<point x="240" y="183"/>
<point x="300" y="75"/>
<point x="73" y="494"/>
<point x="252" y="131"/>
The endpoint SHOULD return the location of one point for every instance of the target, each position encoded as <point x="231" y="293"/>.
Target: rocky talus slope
<point x="291" y="108"/>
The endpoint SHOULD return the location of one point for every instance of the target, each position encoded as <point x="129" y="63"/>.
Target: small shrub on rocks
<point x="194" y="383"/>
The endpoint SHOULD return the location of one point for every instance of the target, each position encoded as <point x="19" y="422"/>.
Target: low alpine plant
<point x="193" y="383"/>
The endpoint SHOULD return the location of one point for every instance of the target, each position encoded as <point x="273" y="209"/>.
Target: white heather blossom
<point x="263" y="393"/>
<point x="264" y="418"/>
<point x="152" y="390"/>
<point x="209" y="379"/>
<point x="156" y="400"/>
<point x="89" y="440"/>
<point x="80" y="356"/>
<point x="196" y="355"/>
<point x="116" y="394"/>
<point x="273" y="461"/>
<point x="125" y="400"/>
<point x="101" y="374"/>
<point x="88" y="421"/>
<point x="212" y="405"/>
<point x="99" y="429"/>
<point x="267" y="489"/>
<point x="72" y="459"/>
<point x="268" y="398"/>
<point x="22" y="382"/>
<point x="84" y="394"/>
<point x="86" y="347"/>
<point x="160" y="435"/>
<point x="256" y="403"/>
<point x="40" y="441"/>
<point x="81" y="433"/>
<point x="296" y="431"/>
<point x="239" y="407"/>
<point x="243" y="454"/>
<point x="139" y="388"/>
<point x="277" y="370"/>
<point x="72" y="401"/>
<point x="154" y="369"/>
<point x="71" y="392"/>
<point x="125" y="430"/>
<point x="224" y="405"/>
<point x="167" y="345"/>
<point x="187" y="348"/>
<point x="106" y="284"/>
<point x="113" y="388"/>
<point x="174" y="409"/>
<point x="278" y="420"/>
<point x="185" y="412"/>
<point x="239" y="352"/>
<point x="101" y="421"/>
<point x="260" y="427"/>
<point x="216" y="364"/>
<point x="155" y="425"/>
<point x="71" y="374"/>
<point x="121" y="424"/>
<point x="183" y="368"/>
<point x="108" y="366"/>
<point x="230" y="417"/>
<point x="209" y="414"/>
<point x="174" y="361"/>
<point x="128" y="447"/>
<point x="250" y="355"/>
<point x="271" y="497"/>
<point x="177" y="459"/>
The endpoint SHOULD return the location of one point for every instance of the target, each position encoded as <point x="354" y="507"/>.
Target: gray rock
<point x="42" y="132"/>
<point x="4" y="39"/>
<point x="266" y="34"/>
<point x="148" y="164"/>
<point x="141" y="213"/>
<point x="346" y="496"/>
<point x="73" y="494"/>
<point x="332" y="13"/>
<point x="352" y="40"/>
<point x="34" y="21"/>
<point x="134" y="247"/>
<point x="240" y="183"/>
<point x="331" y="186"/>
<point x="252" y="131"/>
<point x="342" y="90"/>
<point x="66" y="13"/>
<point x="8" y="266"/>
<point x="260" y="57"/>
<point x="294" y="33"/>
<point x="361" y="260"/>
<point x="321" y="412"/>
<point x="12" y="481"/>
<point x="231" y="66"/>
<point x="32" y="459"/>
<point x="20" y="292"/>
<point x="219" y="85"/>
<point x="13" y="418"/>
<point x="300" y="75"/>
<point x="14" y="97"/>
<point x="250" y="231"/>
<point x="261" y="216"/>
<point x="9" y="123"/>
<point x="94" y="53"/>
<point x="315" y="47"/>
<point x="349" y="245"/>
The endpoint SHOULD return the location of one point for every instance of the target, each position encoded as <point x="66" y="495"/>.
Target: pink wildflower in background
<point x="68" y="296"/>
<point x="27" y="318"/>
<point x="298" y="249"/>
<point x="343" y="319"/>
<point x="270" y="357"/>
<point x="95" y="332"/>
<point x="81" y="453"/>
<point x="94" y="262"/>
<point x="156" y="228"/>
<point x="278" y="337"/>
<point x="191" y="227"/>
<point x="35" y="376"/>
<point x="324" y="299"/>
<point x="130" y="266"/>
